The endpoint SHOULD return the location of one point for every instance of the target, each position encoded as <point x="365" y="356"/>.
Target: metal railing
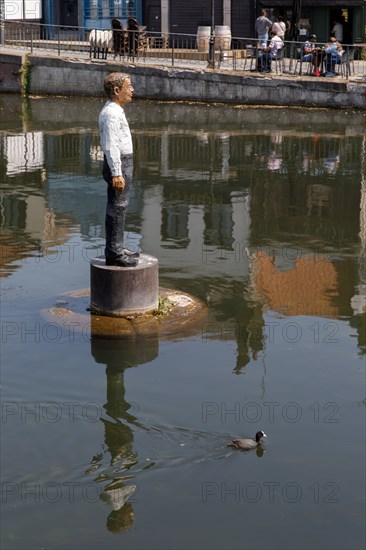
<point x="180" y="50"/>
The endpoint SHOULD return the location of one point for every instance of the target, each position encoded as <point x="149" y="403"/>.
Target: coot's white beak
<point x="264" y="435"/>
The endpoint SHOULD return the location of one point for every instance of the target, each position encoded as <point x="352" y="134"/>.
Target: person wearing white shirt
<point x="269" y="53"/>
<point x="116" y="143"/>
<point x="337" y="31"/>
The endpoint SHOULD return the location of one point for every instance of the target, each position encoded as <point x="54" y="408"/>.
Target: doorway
<point x="69" y="13"/>
<point x="152" y="16"/>
<point x="343" y="17"/>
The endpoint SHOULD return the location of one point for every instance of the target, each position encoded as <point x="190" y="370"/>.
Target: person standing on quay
<point x="116" y="142"/>
<point x="337" y="31"/>
<point x="262" y="26"/>
<point x="279" y="27"/>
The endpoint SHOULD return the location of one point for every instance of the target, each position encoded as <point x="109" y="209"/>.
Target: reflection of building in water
<point x="319" y="199"/>
<point x="24" y="153"/>
<point x="331" y="164"/>
<point x="187" y="159"/>
<point x="174" y="226"/>
<point x="202" y="193"/>
<point x="118" y="423"/>
<point x="358" y="301"/>
<point x="24" y="204"/>
<point x="315" y="221"/>
<point x="274" y="161"/>
<point x="306" y="286"/>
<point x="234" y="316"/>
<point x="52" y="183"/>
<point x="308" y="206"/>
<point x="197" y="204"/>
<point x="69" y="152"/>
<point x="219" y="224"/>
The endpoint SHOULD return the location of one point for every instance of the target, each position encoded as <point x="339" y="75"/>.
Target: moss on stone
<point x="164" y="305"/>
<point x="26" y="76"/>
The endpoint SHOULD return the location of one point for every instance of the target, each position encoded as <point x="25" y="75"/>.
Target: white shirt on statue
<point x="115" y="135"/>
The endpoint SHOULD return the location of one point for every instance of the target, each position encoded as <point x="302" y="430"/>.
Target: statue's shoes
<point x="130" y="253"/>
<point x="123" y="261"/>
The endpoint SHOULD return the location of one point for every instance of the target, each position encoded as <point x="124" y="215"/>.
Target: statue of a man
<point x="116" y="142"/>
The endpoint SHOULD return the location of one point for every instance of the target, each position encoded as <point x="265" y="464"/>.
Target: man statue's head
<point x="113" y="82"/>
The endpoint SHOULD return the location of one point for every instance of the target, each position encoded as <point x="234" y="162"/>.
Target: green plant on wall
<point x="26" y="76"/>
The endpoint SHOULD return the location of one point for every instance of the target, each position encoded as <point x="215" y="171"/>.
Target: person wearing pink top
<point x="279" y="27"/>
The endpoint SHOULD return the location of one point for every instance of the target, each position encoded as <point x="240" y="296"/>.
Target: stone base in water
<point x="120" y="292"/>
<point x="179" y="315"/>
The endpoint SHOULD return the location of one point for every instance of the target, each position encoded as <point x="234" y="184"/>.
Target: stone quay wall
<point x="11" y="72"/>
<point x="53" y="75"/>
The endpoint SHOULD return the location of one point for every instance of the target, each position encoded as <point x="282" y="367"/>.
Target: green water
<point x="111" y="444"/>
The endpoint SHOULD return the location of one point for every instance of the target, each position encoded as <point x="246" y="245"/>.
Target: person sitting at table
<point x="311" y="54"/>
<point x="266" y="55"/>
<point x="333" y="55"/>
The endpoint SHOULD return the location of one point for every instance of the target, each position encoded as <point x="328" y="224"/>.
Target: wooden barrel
<point x="222" y="37"/>
<point x="203" y="38"/>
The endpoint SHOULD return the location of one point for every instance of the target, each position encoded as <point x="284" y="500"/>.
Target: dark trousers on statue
<point x="116" y="208"/>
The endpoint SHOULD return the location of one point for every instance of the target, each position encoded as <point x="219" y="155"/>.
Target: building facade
<point x="91" y="14"/>
<point x="184" y="17"/>
<point x="317" y="16"/>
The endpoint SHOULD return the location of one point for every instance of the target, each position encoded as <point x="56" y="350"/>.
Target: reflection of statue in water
<point x="118" y="440"/>
<point x="118" y="355"/>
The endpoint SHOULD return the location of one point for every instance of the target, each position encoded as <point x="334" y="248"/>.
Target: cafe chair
<point x="279" y="60"/>
<point x="304" y="67"/>
<point x="254" y="63"/>
<point x="346" y="64"/>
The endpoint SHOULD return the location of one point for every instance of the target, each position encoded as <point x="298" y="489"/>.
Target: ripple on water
<point x="162" y="447"/>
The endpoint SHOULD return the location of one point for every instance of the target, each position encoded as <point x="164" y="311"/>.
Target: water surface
<point x="109" y="443"/>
